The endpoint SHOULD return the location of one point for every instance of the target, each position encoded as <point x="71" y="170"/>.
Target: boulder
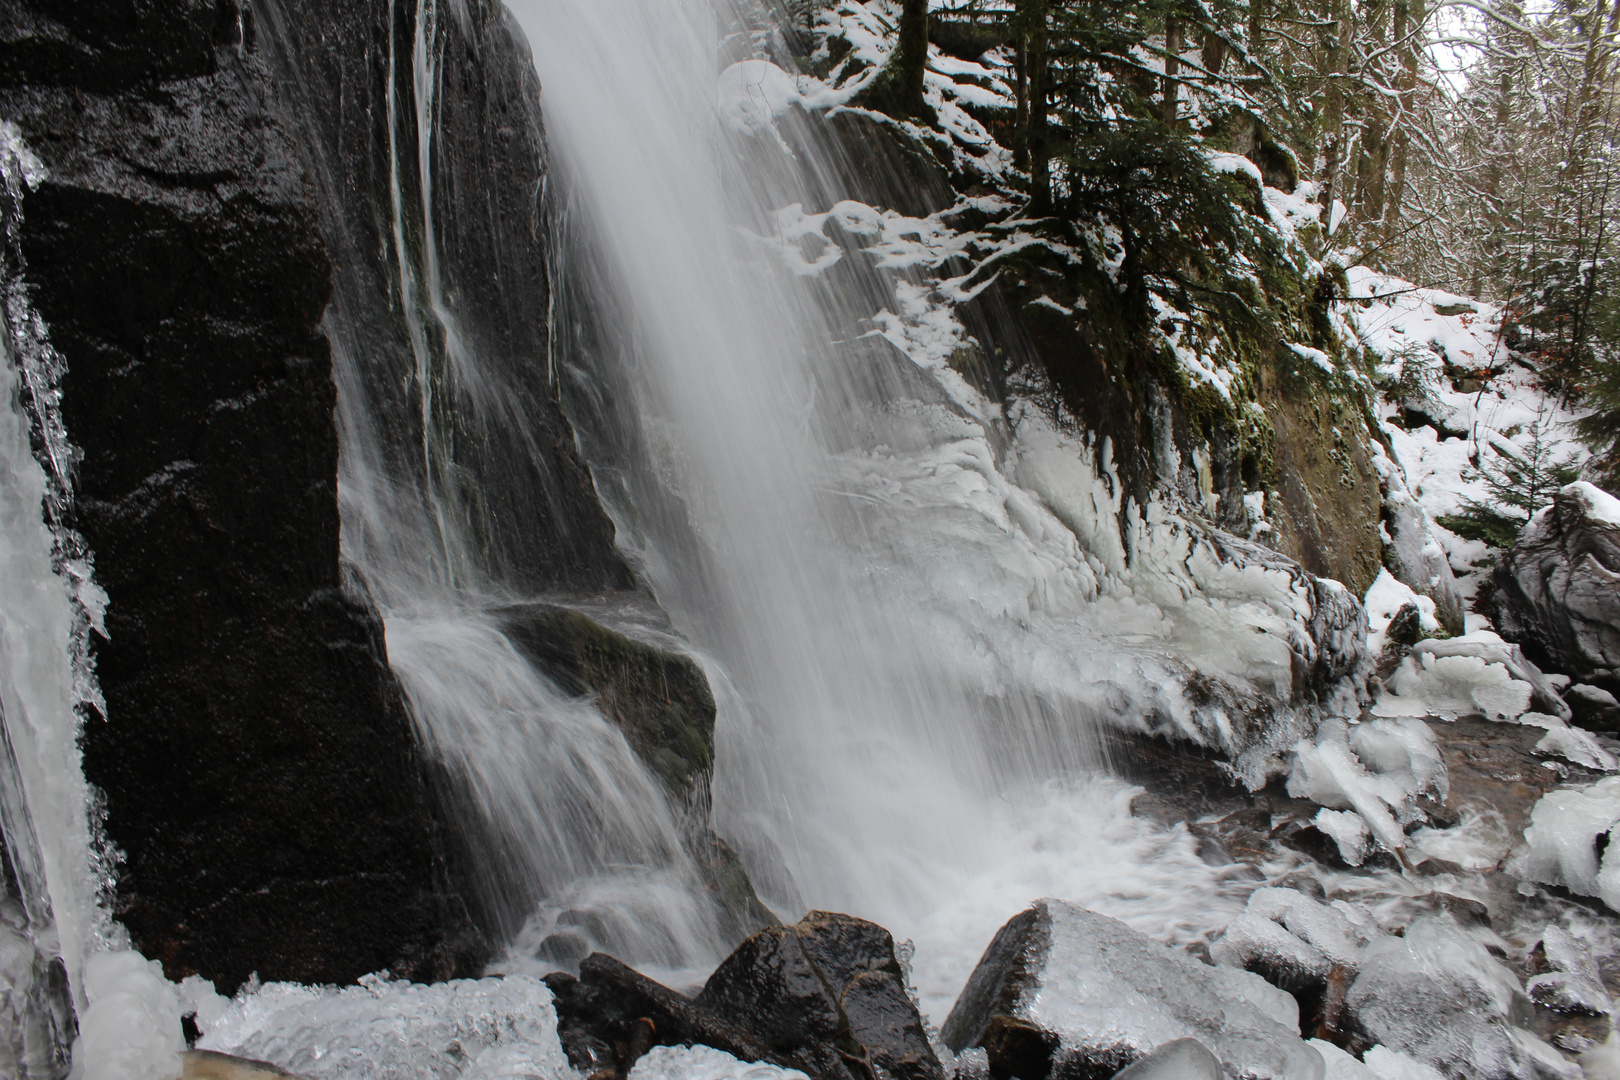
<point x="1593" y="707"/>
<point x="209" y="1065"/>
<point x="260" y="770"/>
<point x="1558" y="589"/>
<point x="611" y="1015"/>
<point x="828" y="996"/>
<point x="1066" y="994"/>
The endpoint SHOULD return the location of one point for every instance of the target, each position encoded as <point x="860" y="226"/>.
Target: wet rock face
<point x="1067" y="994"/>
<point x="1558" y="589"/>
<point x="256" y="757"/>
<point x="506" y="467"/>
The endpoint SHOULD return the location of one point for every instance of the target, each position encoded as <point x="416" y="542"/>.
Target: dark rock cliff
<point x="257" y="761"/>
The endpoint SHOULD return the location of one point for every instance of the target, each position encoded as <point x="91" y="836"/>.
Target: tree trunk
<point x="1172" y="66"/>
<point x="1040" y="162"/>
<point x="910" y="59"/>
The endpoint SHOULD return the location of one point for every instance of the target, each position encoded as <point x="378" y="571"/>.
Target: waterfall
<point x="915" y="651"/>
<point x="566" y="827"/>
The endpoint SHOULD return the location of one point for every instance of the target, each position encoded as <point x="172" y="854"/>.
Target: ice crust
<point x="1376" y="769"/>
<point x="1105" y="987"/>
<point x="379" y="1030"/>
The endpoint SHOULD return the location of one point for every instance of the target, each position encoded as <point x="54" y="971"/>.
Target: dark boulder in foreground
<point x="1558" y="589"/>
<point x="826" y="996"/>
<point x="1066" y="994"/>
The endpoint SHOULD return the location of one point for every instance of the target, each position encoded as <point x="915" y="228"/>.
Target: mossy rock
<point x="659" y="699"/>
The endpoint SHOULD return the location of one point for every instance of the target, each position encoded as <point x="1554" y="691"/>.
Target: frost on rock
<point x="704" y="1063"/>
<point x="1341" y="1065"/>
<point x="380" y="1030"/>
<point x="1561" y="844"/>
<point x="1438" y="996"/>
<point x="1062" y="990"/>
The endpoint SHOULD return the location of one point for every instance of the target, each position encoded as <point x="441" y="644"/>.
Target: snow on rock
<point x="1559" y="587"/>
<point x="1385" y="598"/>
<point x="704" y="1063"/>
<point x="1438" y="996"/>
<point x="379" y="1030"/>
<point x="131" y="1031"/>
<point x="1413" y="553"/>
<point x="1561" y="842"/>
<point x="1086" y="993"/>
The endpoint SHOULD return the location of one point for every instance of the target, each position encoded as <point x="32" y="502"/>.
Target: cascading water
<point x="920" y="649"/>
<point x="557" y="810"/>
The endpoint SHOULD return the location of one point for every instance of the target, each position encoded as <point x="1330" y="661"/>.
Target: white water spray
<point x="917" y="644"/>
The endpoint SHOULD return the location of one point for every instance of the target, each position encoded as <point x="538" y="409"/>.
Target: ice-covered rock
<point x="1578" y="746"/>
<point x="1476" y="673"/>
<point x="1437" y="995"/>
<point x="1065" y="991"/>
<point x="1558" y="589"/>
<point x="1387" y="1064"/>
<point x="1341" y="1064"/>
<point x="1413" y="555"/>
<point x="1561" y="844"/>
<point x="379" y="1030"/>
<point x="1182" y="1059"/>
<point x="1295" y="942"/>
<point x="1573" y="984"/>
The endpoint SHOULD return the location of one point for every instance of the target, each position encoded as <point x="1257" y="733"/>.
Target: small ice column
<point x="46" y="603"/>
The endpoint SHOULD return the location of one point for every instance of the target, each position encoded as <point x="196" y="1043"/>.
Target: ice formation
<point x="379" y="1030"/>
<point x="1561" y="844"/>
<point x="1438" y="995"/>
<point x="131" y="1031"/>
